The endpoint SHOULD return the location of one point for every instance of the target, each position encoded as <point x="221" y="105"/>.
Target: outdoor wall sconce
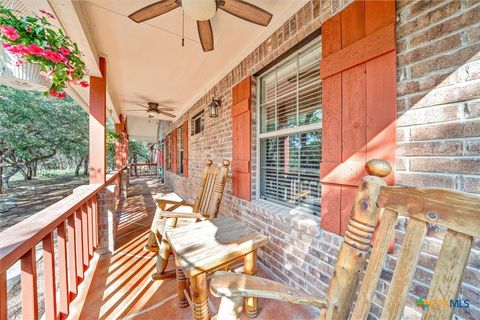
<point x="213" y="108"/>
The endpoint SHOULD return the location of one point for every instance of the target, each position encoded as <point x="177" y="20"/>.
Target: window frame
<point x="282" y="132"/>
<point x="199" y="115"/>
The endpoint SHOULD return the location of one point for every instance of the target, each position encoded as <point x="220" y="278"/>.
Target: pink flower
<point x="47" y="14"/>
<point x="18" y="50"/>
<point x="6" y="45"/>
<point x="10" y="33"/>
<point x="28" y="29"/>
<point x="64" y="51"/>
<point x="56" y="94"/>
<point x="84" y="84"/>
<point x="53" y="56"/>
<point x="19" y="63"/>
<point x="35" y="50"/>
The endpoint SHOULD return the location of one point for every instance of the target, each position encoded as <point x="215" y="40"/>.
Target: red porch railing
<point x="143" y="169"/>
<point x="75" y="218"/>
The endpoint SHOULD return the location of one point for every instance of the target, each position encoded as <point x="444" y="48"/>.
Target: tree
<point x="34" y="128"/>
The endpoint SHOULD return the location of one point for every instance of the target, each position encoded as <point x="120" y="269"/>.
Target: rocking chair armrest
<point x="192" y="215"/>
<point x="234" y="285"/>
<point x="173" y="202"/>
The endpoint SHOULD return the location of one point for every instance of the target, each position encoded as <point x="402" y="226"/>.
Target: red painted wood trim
<point x="3" y="296"/>
<point x="63" y="308"/>
<point x="49" y="277"/>
<point x="97" y="127"/>
<point x="241" y="139"/>
<point x="347" y="173"/>
<point x="241" y="107"/>
<point x="28" y="280"/>
<point x="79" y="245"/>
<point x="241" y="166"/>
<point x="86" y="258"/>
<point x="90" y="228"/>
<point x="186" y="134"/>
<point x="72" y="257"/>
<point x="372" y="46"/>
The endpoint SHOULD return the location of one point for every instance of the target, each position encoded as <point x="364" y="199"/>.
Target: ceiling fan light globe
<point x="151" y="111"/>
<point x="200" y="9"/>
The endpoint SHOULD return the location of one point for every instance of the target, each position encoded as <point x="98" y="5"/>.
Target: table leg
<point x="181" y="285"/>
<point x="250" y="267"/>
<point x="199" y="296"/>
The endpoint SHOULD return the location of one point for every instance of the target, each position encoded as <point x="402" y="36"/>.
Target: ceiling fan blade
<point x="165" y="109"/>
<point x="153" y="10"/>
<point x="167" y="114"/>
<point x="136" y="110"/>
<point x="206" y="35"/>
<point x="246" y="11"/>
<point x="141" y="105"/>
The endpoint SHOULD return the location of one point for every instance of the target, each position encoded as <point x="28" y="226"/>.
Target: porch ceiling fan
<point x="203" y="11"/>
<point x="154" y="109"/>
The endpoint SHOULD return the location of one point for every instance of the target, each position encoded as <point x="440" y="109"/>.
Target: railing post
<point x="72" y="257"/>
<point x="107" y="221"/>
<point x="63" y="271"/>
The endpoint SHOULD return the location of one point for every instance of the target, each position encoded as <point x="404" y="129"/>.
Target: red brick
<point x="472" y="110"/>
<point x="429" y="115"/>
<point x="428" y="19"/>
<point x="431" y="49"/>
<point x="447" y="130"/>
<point x="473" y="147"/>
<point x="471" y="184"/>
<point x="455" y="23"/>
<point x="446" y="165"/>
<point x="407" y="178"/>
<point x="439" y="148"/>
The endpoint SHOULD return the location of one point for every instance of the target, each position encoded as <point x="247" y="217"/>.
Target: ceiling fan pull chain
<point x="183" y="28"/>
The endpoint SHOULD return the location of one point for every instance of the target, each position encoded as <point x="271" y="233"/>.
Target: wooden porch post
<point x="97" y="145"/>
<point x="121" y="147"/>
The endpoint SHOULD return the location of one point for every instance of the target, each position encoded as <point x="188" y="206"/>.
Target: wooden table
<point x="204" y="247"/>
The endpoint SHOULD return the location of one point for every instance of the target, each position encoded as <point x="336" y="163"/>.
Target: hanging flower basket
<point x="37" y="53"/>
<point x="26" y="76"/>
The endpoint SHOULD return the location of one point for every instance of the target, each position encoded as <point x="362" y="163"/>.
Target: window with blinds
<point x="290" y="109"/>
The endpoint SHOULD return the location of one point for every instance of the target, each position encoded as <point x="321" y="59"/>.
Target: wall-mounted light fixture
<point x="213" y="108"/>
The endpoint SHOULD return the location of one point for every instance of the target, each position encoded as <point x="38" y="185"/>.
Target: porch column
<point x="97" y="134"/>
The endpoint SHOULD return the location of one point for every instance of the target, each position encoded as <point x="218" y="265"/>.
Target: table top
<point x="206" y="245"/>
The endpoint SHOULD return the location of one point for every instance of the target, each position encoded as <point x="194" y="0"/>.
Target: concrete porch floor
<point x="118" y="285"/>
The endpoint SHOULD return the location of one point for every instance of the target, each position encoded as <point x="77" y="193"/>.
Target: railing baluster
<point x="85" y="236"/>
<point x="79" y="244"/>
<point x="63" y="270"/>
<point x="95" y="221"/>
<point x="28" y="266"/>
<point x="49" y="277"/>
<point x="72" y="257"/>
<point x="90" y="228"/>
<point x="3" y="296"/>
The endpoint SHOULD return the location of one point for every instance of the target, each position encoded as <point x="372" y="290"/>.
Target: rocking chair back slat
<point x="374" y="268"/>
<point x="448" y="273"/>
<point x="211" y="189"/>
<point x="405" y="269"/>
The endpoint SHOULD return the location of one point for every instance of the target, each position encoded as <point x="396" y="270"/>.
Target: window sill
<point x="295" y="218"/>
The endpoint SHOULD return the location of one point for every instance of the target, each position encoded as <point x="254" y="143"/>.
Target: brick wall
<point x="438" y="45"/>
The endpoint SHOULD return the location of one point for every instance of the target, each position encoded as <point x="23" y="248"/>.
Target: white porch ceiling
<point x="146" y="61"/>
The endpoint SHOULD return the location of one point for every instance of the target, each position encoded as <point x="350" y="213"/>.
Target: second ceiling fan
<point x="203" y="11"/>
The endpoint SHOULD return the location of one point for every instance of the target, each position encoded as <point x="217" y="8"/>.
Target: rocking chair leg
<point x="153" y="234"/>
<point x="250" y="266"/>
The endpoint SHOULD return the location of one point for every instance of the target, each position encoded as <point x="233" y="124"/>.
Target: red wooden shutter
<point x="174" y="151"/>
<point x="185" y="149"/>
<point x="358" y="70"/>
<point x="241" y="139"/>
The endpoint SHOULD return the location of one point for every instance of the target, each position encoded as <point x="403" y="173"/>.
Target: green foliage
<point x="138" y="152"/>
<point x="34" y="127"/>
<point x="36" y="40"/>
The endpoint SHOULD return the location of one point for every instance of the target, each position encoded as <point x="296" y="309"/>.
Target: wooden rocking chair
<point x="458" y="212"/>
<point x="206" y="206"/>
